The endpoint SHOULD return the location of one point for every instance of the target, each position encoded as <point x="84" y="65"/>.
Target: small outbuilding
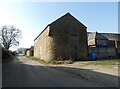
<point x="30" y="51"/>
<point x="104" y="45"/>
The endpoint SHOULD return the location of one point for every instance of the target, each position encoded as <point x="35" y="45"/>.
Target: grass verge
<point x="106" y="62"/>
<point x="36" y="59"/>
<point x="100" y="62"/>
<point x="32" y="58"/>
<point x="52" y="61"/>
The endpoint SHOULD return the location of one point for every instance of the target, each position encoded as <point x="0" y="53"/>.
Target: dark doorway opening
<point x="74" y="53"/>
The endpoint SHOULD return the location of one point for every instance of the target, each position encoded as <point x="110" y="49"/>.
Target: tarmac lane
<point x="23" y="72"/>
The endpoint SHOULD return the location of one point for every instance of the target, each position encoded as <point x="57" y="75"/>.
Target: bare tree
<point x="9" y="36"/>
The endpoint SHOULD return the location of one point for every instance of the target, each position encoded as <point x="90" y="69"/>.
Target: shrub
<point x="60" y="62"/>
<point x="6" y="53"/>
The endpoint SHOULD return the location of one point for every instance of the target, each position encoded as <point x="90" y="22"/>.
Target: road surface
<point x="23" y="72"/>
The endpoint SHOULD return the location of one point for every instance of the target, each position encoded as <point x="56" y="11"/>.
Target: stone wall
<point x="67" y="36"/>
<point x="43" y="46"/>
<point x="29" y="52"/>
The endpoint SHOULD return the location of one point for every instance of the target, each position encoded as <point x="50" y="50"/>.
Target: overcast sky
<point x="32" y="17"/>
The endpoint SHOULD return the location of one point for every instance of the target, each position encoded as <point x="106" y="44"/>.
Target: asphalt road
<point x="23" y="72"/>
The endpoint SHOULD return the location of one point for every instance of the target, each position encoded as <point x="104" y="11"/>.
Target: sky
<point x="32" y="17"/>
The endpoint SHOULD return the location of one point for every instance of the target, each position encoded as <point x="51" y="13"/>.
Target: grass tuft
<point x="60" y="62"/>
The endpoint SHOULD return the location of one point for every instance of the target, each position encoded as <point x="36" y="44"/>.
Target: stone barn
<point x="30" y="51"/>
<point x="65" y="38"/>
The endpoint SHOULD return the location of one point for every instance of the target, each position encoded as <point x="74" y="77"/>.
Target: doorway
<point x="74" y="52"/>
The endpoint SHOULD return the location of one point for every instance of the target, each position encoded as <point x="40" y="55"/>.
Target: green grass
<point x="32" y="58"/>
<point x="99" y="62"/>
<point x="52" y="61"/>
<point x="105" y="62"/>
<point x="36" y="59"/>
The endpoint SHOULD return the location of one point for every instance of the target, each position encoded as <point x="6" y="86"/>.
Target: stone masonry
<point x="65" y="38"/>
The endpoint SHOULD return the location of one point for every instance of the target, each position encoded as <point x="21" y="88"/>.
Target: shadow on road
<point x="13" y="72"/>
<point x="101" y="78"/>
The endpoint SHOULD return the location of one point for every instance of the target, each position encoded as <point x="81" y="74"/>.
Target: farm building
<point x="65" y="38"/>
<point x="30" y="51"/>
<point x="104" y="44"/>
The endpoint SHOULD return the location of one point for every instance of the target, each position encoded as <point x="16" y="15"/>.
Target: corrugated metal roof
<point x="95" y="35"/>
<point x="109" y="36"/>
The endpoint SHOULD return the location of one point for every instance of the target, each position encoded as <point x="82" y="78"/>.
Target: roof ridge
<point x="57" y="20"/>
